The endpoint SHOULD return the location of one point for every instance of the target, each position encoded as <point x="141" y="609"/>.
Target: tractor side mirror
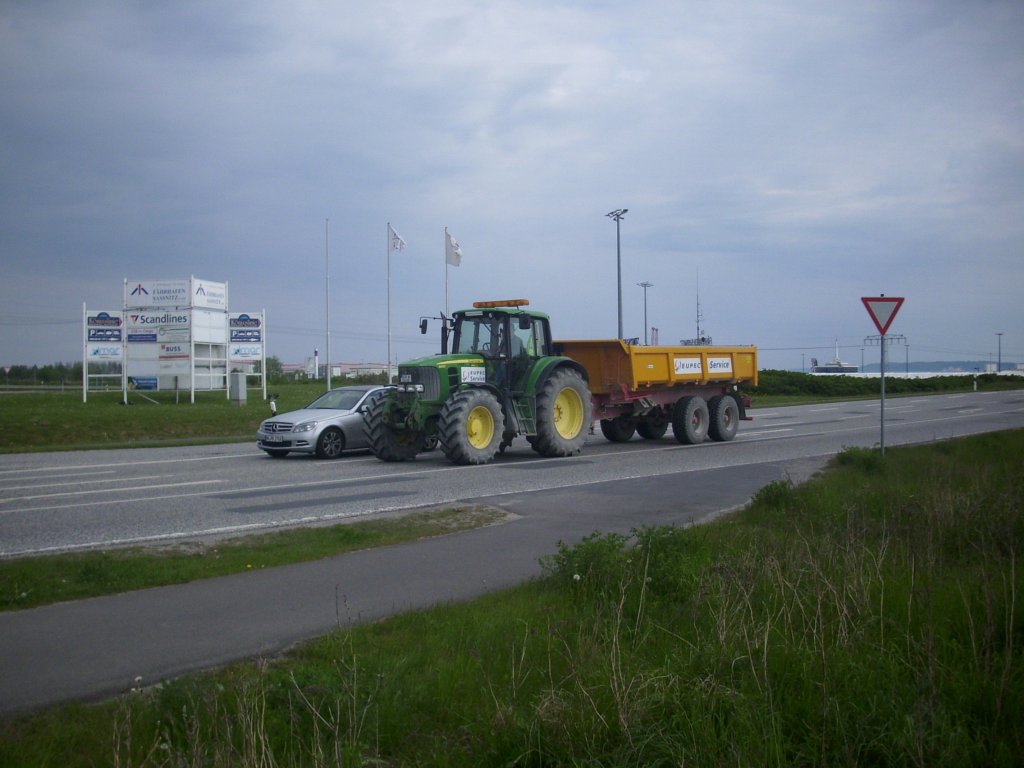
<point x="423" y="325"/>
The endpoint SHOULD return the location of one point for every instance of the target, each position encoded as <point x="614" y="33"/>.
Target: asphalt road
<point x="93" y="648"/>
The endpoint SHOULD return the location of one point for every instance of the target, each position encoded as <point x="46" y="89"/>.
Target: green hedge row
<point x="774" y="382"/>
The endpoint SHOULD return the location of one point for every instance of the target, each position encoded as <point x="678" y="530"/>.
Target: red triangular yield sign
<point x="883" y="310"/>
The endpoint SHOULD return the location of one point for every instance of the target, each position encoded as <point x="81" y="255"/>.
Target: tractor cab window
<point x="524" y="341"/>
<point x="530" y="337"/>
<point x="482" y="334"/>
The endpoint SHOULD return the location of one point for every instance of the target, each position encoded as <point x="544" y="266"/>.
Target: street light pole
<point x="645" y="285"/>
<point x="999" y="363"/>
<point x="617" y="214"/>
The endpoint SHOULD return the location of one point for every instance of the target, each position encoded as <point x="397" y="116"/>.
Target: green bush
<point x="796" y="383"/>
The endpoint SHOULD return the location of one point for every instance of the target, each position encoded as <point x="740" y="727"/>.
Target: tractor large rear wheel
<point x="389" y="444"/>
<point x="471" y="427"/>
<point x="563" y="414"/>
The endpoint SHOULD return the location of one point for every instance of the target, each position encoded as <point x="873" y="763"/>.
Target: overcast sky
<point x="793" y="155"/>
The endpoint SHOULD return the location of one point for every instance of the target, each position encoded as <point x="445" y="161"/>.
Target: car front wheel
<point x="330" y="444"/>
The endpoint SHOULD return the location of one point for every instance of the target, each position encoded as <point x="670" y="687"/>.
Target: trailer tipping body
<point x="626" y="378"/>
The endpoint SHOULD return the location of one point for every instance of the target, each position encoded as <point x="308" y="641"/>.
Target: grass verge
<point x="32" y="581"/>
<point x="872" y="616"/>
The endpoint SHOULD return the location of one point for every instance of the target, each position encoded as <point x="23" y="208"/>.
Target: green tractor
<point x="500" y="381"/>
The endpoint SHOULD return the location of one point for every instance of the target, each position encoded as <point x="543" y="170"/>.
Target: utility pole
<point x="617" y="215"/>
<point x="645" y="285"/>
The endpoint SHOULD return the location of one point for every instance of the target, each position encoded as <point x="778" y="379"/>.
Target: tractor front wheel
<point x="563" y="414"/>
<point x="471" y="426"/>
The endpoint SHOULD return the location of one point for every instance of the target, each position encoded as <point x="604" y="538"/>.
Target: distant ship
<point x="834" y="366"/>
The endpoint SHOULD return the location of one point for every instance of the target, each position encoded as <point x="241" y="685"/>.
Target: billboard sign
<point x="144" y="382"/>
<point x="151" y="327"/>
<point x="145" y="294"/>
<point x="249" y="353"/>
<point x="174" y="351"/>
<point x="105" y="351"/>
<point x="104" y="326"/>
<point x="245" y="328"/>
<point x="208" y="294"/>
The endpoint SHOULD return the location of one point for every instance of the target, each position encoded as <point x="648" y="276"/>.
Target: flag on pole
<point x="395" y="241"/>
<point x="452" y="250"/>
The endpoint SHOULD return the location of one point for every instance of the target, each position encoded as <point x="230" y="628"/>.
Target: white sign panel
<point x="208" y="294"/>
<point x="144" y="294"/>
<point x="249" y="353"/>
<point x="113" y="351"/>
<point x="177" y="351"/>
<point x="687" y="366"/>
<point x="719" y="365"/>
<point x="474" y="375"/>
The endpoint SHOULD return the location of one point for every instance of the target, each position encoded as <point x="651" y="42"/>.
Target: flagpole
<point x="387" y="246"/>
<point x="327" y="290"/>
<point x="447" y="314"/>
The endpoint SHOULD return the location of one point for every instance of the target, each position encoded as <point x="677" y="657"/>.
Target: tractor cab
<point x="509" y="339"/>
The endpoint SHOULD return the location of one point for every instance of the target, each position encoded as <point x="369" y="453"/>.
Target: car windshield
<point x="338" y="399"/>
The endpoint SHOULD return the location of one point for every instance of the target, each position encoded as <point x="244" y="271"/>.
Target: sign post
<point x="883" y="311"/>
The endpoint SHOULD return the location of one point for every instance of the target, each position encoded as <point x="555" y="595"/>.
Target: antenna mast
<point x="701" y="340"/>
<point x="699" y="316"/>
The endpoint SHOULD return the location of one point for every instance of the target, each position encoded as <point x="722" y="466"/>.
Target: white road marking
<point x="112" y="490"/>
<point x="38" y="486"/>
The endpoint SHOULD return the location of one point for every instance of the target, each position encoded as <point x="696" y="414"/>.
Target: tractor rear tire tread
<point x="563" y="414"/>
<point x="385" y="443"/>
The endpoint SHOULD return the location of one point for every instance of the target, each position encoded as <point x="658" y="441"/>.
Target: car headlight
<point x="306" y="426"/>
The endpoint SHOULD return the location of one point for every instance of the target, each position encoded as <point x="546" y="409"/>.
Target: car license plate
<point x="273" y="439"/>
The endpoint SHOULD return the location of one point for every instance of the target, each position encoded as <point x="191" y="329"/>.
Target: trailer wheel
<point x="619" y="429"/>
<point x="386" y="443"/>
<point x="563" y="413"/>
<point x="690" y="420"/>
<point x="653" y="427"/>
<point x="725" y="418"/>
<point x="470" y="427"/>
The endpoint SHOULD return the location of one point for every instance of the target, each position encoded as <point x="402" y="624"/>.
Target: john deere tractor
<point x="499" y="381"/>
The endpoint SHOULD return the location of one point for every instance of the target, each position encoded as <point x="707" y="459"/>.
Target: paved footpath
<point x="90" y="649"/>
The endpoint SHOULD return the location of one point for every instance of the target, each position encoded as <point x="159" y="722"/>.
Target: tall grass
<point x="870" y="617"/>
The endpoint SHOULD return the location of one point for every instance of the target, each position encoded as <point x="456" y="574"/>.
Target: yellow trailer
<point x="613" y="364"/>
<point x="640" y="389"/>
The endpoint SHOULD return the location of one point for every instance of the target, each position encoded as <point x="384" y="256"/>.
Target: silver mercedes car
<point x="329" y="425"/>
